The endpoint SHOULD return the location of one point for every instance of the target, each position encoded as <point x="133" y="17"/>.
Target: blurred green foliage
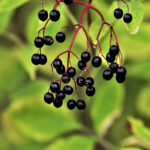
<point x="27" y="123"/>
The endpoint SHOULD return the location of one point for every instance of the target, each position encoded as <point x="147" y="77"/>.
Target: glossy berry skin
<point x="71" y="72"/>
<point x="114" y="50"/>
<point x="68" y="2"/>
<point x="43" y="15"/>
<point x="110" y="58"/>
<point x="114" y="67"/>
<point x="35" y="59"/>
<point x="57" y="63"/>
<point x="118" y="13"/>
<point x="60" y="37"/>
<point x="127" y="18"/>
<point x="39" y="42"/>
<point x="61" y="69"/>
<point x="54" y="15"/>
<point x="43" y="59"/>
<point x="120" y="79"/>
<point x="48" y="98"/>
<point x="48" y="40"/>
<point x="107" y="74"/>
<point x="121" y="71"/>
<point x="81" y="81"/>
<point x="57" y="103"/>
<point x="85" y="57"/>
<point x="81" y="105"/>
<point x="96" y="61"/>
<point x="65" y="78"/>
<point x="90" y="91"/>
<point x="68" y="90"/>
<point x="54" y="87"/>
<point x="81" y="65"/>
<point x="60" y="95"/>
<point x="89" y="82"/>
<point x="71" y="104"/>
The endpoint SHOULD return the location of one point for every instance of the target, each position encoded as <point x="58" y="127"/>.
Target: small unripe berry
<point x="54" y="15"/>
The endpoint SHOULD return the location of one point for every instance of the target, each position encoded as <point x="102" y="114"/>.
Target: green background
<point x="116" y="118"/>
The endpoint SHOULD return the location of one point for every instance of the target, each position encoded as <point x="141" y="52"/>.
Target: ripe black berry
<point x="81" y="105"/>
<point x="89" y="82"/>
<point x="48" y="98"/>
<point x="71" y="72"/>
<point x="114" y="50"/>
<point x="81" y="65"/>
<point x="121" y="71"/>
<point x="57" y="63"/>
<point x="43" y="59"/>
<point x="71" y="104"/>
<point x="43" y="15"/>
<point x="35" y="59"/>
<point x="108" y="74"/>
<point x="54" y="87"/>
<point x="68" y="2"/>
<point x="57" y="103"/>
<point x="39" y="42"/>
<point x="110" y="58"/>
<point x="90" y="91"/>
<point x="65" y="78"/>
<point x="85" y="57"/>
<point x="80" y="81"/>
<point x="127" y="18"/>
<point x="60" y="95"/>
<point x="96" y="61"/>
<point x="54" y="15"/>
<point x="114" y="67"/>
<point x="60" y="37"/>
<point x="48" y="40"/>
<point x="118" y="13"/>
<point x="68" y="90"/>
<point x="61" y="69"/>
<point x="120" y="79"/>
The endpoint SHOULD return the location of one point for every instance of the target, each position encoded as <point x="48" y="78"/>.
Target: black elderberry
<point x="80" y="81"/>
<point x="118" y="13"/>
<point x="85" y="57"/>
<point x="71" y="104"/>
<point x="43" y="59"/>
<point x="68" y="2"/>
<point x="57" y="103"/>
<point x="107" y="74"/>
<point x="96" y="61"/>
<point x="61" y="69"/>
<point x="120" y="79"/>
<point x="48" y="98"/>
<point x="127" y="18"/>
<point x="65" y="78"/>
<point x="60" y="95"/>
<point x="54" y="87"/>
<point x="90" y="91"/>
<point x="43" y="15"/>
<point x="114" y="50"/>
<point x="110" y="58"/>
<point x="48" y="40"/>
<point x="35" y="59"/>
<point x="39" y="42"/>
<point x="114" y="67"/>
<point x="81" y="105"/>
<point x="57" y="63"/>
<point x="60" y="37"/>
<point x="121" y="71"/>
<point x="89" y="82"/>
<point x="71" y="72"/>
<point x="54" y="15"/>
<point x="81" y="65"/>
<point x="68" y="90"/>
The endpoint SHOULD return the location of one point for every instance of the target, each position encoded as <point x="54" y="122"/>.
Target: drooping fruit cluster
<point x="83" y="82"/>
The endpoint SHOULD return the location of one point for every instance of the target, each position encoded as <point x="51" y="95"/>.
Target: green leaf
<point x="33" y="119"/>
<point x="73" y="143"/>
<point x="107" y="105"/>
